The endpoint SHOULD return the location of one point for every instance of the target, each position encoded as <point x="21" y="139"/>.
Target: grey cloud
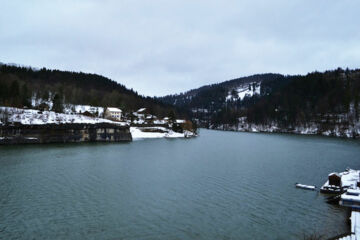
<point x="160" y="47"/>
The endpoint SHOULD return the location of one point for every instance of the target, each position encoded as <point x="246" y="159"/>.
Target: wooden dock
<point x="355" y="227"/>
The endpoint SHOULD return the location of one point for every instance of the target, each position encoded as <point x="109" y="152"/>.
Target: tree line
<point x="20" y="85"/>
<point x="285" y="100"/>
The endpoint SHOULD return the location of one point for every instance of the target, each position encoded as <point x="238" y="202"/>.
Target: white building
<point x="351" y="198"/>
<point x="113" y="113"/>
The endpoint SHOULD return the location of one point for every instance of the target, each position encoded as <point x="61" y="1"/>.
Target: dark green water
<point x="221" y="185"/>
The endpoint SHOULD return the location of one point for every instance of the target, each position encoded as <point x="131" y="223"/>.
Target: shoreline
<point x="79" y="133"/>
<point x="284" y="132"/>
<point x="63" y="133"/>
<point x="31" y="126"/>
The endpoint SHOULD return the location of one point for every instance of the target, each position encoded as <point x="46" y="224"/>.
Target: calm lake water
<point x="221" y="185"/>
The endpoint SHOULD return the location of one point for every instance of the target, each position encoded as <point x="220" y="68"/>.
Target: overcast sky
<point x="160" y="47"/>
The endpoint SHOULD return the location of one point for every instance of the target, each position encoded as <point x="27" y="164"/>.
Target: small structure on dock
<point x="355" y="223"/>
<point x="347" y="183"/>
<point x="334" y="179"/>
<point x="340" y="182"/>
<point x="355" y="227"/>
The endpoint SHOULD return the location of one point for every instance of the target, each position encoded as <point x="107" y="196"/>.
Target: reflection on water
<point x="221" y="185"/>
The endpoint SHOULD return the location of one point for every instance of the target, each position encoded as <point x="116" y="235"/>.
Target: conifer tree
<point x="57" y="104"/>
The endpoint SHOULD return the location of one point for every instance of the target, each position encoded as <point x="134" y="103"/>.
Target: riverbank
<point x="71" y="133"/>
<point x="138" y="133"/>
<point x="23" y="126"/>
<point x="341" y="131"/>
<point x="64" y="133"/>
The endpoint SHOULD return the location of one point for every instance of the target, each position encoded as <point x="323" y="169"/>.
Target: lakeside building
<point x="113" y="113"/>
<point x="340" y="182"/>
<point x="141" y="113"/>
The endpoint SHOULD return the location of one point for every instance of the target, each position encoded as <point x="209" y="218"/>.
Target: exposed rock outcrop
<point x="64" y="133"/>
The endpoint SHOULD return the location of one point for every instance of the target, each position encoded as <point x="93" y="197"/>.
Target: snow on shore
<point x="35" y="117"/>
<point x="345" y="131"/>
<point x="158" y="132"/>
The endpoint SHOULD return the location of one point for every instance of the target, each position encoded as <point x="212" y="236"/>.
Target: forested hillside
<point x="317" y="103"/>
<point x="321" y="103"/>
<point x="20" y="85"/>
<point x="317" y="96"/>
<point x="212" y="97"/>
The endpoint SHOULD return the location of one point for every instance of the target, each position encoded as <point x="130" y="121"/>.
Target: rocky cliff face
<point x="64" y="133"/>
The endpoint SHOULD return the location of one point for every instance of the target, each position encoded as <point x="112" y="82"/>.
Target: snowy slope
<point x="69" y="108"/>
<point x="78" y="109"/>
<point x="243" y="91"/>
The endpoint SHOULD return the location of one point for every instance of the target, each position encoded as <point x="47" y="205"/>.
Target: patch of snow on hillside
<point x="35" y="102"/>
<point x="200" y="110"/>
<point x="244" y="91"/>
<point x="79" y="109"/>
<point x="69" y="108"/>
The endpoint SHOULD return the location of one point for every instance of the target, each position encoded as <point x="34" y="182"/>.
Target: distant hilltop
<point x="325" y="103"/>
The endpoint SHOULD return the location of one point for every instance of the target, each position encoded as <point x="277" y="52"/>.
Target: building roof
<point x="141" y="110"/>
<point x="112" y="109"/>
<point x="350" y="197"/>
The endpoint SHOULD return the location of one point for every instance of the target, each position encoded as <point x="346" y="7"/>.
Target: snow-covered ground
<point x="355" y="223"/>
<point x="36" y="117"/>
<point x="79" y="109"/>
<point x="243" y="91"/>
<point x="350" y="178"/>
<point x="73" y="114"/>
<point x="69" y="108"/>
<point x="37" y="101"/>
<point x="312" y="129"/>
<point x="162" y="133"/>
<point x="350" y="199"/>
